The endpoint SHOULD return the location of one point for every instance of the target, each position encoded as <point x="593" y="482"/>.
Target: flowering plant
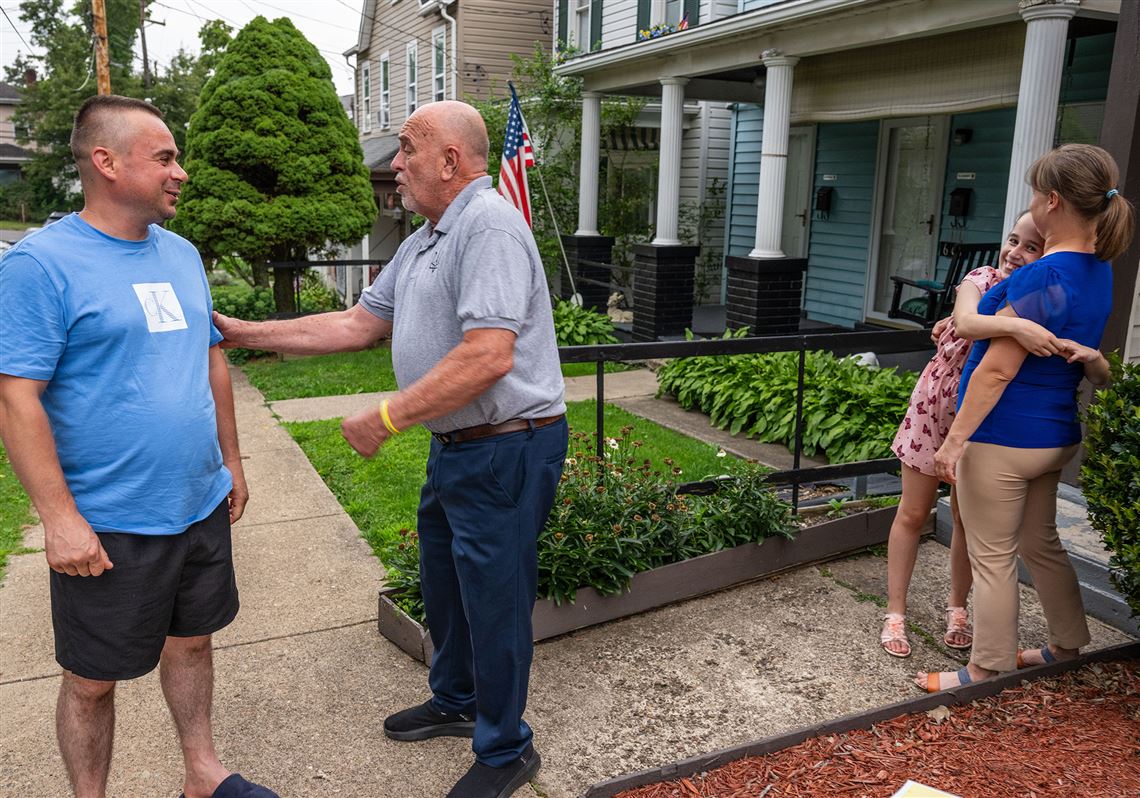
<point x="617" y="515"/>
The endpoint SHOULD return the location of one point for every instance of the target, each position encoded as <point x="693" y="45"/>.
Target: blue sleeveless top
<point x="1070" y="294"/>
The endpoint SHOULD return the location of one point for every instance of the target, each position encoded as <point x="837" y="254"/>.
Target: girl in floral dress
<point x="927" y="422"/>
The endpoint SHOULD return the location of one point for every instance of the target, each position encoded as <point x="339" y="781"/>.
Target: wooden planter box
<point x="671" y="583"/>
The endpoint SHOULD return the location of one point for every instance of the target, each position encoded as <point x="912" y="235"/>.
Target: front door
<point x="912" y="158"/>
<point x="797" y="192"/>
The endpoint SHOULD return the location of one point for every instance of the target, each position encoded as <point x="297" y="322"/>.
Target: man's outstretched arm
<point x="342" y="331"/>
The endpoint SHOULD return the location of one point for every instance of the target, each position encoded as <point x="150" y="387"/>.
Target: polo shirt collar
<point x="447" y="221"/>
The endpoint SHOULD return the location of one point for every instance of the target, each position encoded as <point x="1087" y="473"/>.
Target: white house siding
<point x="619" y="23"/>
<point x="712" y="10"/>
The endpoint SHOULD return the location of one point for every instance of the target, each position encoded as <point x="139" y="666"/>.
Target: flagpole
<point x="576" y="298"/>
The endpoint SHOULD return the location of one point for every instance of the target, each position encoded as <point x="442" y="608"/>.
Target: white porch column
<point x="1046" y="28"/>
<point x="591" y="156"/>
<point x="773" y="154"/>
<point x="669" y="160"/>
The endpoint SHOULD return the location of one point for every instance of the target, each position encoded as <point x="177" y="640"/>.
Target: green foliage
<point x="402" y="572"/>
<point x="575" y="325"/>
<point x="242" y="302"/>
<point x="366" y="371"/>
<point x="316" y="296"/>
<point x="276" y="171"/>
<point x="617" y="516"/>
<point x="851" y="412"/>
<point x="15" y="513"/>
<point x="1110" y="475"/>
<point x="65" y="79"/>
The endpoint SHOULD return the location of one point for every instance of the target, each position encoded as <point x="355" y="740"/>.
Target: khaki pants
<point x="1008" y="499"/>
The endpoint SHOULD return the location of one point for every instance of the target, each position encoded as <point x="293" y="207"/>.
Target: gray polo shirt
<point x="477" y="268"/>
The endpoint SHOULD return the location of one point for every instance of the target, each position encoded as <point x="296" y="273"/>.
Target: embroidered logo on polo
<point x="160" y="306"/>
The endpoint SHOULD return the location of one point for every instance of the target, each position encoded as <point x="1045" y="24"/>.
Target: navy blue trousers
<point x="481" y="509"/>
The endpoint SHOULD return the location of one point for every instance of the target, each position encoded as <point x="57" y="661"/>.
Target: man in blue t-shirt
<point x="117" y="414"/>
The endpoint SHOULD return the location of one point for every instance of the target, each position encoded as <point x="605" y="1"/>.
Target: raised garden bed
<point x="671" y="583"/>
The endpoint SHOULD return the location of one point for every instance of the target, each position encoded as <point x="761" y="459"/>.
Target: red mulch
<point x="1075" y="735"/>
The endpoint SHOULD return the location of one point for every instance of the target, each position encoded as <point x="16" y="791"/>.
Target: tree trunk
<point x="284" y="298"/>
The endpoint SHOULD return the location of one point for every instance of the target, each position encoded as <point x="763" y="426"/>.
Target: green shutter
<point x="642" y="17"/>
<point x="693" y="9"/>
<point x="595" y="26"/>
<point x="563" y="14"/>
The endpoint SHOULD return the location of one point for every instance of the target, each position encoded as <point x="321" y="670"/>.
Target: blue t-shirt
<point x="120" y="331"/>
<point x="1070" y="294"/>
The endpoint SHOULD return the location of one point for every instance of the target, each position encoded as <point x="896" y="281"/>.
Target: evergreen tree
<point x="276" y="171"/>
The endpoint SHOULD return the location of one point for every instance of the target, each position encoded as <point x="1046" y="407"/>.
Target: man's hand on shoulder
<point x="73" y="548"/>
<point x="231" y="330"/>
<point x="365" y="432"/>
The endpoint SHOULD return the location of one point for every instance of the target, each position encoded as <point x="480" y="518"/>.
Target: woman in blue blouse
<point x="1018" y="413"/>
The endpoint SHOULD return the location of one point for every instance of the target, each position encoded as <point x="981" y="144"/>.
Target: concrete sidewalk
<point x="303" y="679"/>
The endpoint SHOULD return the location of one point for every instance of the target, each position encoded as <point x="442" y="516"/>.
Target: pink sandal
<point x="958" y="623"/>
<point x="894" y="631"/>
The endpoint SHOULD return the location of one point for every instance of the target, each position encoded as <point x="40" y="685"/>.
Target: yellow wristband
<point x="387" y="419"/>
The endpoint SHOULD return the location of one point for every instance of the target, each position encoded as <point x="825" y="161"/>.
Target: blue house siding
<point x="744" y="178"/>
<point x="1087" y="63"/>
<point x="987" y="156"/>
<point x="838" y="247"/>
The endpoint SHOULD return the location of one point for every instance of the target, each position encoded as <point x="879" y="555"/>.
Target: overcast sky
<point x="331" y="25"/>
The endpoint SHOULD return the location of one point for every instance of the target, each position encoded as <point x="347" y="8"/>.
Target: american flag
<point x="518" y="156"/>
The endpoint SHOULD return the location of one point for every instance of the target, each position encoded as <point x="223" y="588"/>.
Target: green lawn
<point x="348" y="372"/>
<point x="15" y="513"/>
<point x="381" y="495"/>
<point x="15" y="224"/>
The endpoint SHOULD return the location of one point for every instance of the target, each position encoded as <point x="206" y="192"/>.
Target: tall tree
<point x="276" y="171"/>
<point x="66" y="78"/>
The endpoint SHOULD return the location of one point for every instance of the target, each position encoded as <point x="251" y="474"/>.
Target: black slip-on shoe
<point x="424" y="721"/>
<point x="484" y="781"/>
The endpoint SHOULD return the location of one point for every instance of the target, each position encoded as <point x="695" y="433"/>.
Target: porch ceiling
<point x="722" y="59"/>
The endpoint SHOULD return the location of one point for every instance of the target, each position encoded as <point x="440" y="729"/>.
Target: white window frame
<point x="411" y="77"/>
<point x="366" y="97"/>
<point x="384" y="114"/>
<point x="580" y="11"/>
<point x="657" y="12"/>
<point x="439" y="64"/>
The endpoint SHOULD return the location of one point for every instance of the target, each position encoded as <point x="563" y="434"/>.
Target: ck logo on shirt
<point x="161" y="307"/>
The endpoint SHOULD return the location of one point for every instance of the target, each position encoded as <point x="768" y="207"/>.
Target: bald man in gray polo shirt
<point x="466" y="304"/>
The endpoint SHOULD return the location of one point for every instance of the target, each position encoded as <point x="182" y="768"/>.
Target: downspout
<point x="442" y="5"/>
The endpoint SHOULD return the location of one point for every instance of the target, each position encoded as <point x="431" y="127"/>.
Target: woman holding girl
<point x="927" y="421"/>
<point x="1019" y="413"/>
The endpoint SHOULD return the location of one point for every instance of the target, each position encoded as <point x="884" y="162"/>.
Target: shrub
<point x="575" y="325"/>
<point x="242" y="302"/>
<point x="1110" y="475"/>
<point x="316" y="296"/>
<point x="851" y="412"/>
<point x="616" y="516"/>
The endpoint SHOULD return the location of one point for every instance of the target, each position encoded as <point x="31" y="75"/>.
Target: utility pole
<point x="102" y="62"/>
<point x="142" y="36"/>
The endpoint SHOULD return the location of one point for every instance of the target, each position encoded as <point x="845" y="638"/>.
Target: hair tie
<point x="1112" y="192"/>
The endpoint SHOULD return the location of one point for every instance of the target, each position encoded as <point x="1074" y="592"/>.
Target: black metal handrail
<point x="841" y="343"/>
<point x="297" y="267"/>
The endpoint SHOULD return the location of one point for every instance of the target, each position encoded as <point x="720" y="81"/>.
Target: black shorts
<point x="113" y="626"/>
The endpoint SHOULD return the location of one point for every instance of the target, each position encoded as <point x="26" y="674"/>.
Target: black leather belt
<point x="487" y="430"/>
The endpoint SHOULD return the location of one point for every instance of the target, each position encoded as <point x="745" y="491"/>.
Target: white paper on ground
<point x="912" y="789"/>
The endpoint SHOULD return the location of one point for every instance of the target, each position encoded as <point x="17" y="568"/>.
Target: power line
<point x="17" y="30"/>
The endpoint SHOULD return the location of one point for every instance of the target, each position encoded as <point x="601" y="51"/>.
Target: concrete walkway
<point x="303" y="679"/>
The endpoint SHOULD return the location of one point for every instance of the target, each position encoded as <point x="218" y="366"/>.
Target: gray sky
<point x="331" y="25"/>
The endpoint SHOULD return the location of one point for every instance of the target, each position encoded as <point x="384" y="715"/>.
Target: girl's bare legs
<point x="958" y="632"/>
<point x="918" y="494"/>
